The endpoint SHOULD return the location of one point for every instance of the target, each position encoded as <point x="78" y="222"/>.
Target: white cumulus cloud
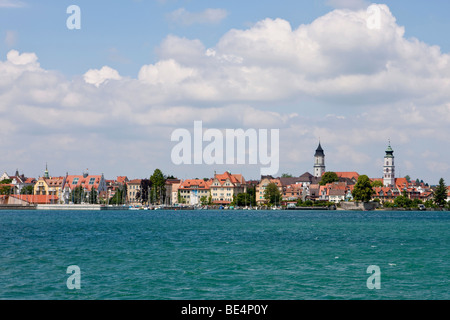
<point x="98" y="77"/>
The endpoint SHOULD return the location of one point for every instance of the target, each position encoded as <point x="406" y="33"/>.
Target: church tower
<point x="389" y="167"/>
<point x="319" y="162"/>
<point x="46" y="175"/>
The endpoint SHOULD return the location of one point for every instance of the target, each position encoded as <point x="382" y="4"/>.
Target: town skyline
<point x="312" y="170"/>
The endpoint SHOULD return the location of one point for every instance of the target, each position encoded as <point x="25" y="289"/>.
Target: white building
<point x="319" y="162"/>
<point x="389" y="167"/>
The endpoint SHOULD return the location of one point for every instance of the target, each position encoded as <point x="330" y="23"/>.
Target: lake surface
<point x="224" y="255"/>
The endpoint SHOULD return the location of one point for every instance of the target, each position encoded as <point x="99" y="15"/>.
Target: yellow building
<point x="133" y="188"/>
<point x="261" y="189"/>
<point x="51" y="186"/>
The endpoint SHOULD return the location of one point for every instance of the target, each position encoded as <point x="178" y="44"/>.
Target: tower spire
<point x="319" y="161"/>
<point x="389" y="167"/>
<point x="46" y="175"/>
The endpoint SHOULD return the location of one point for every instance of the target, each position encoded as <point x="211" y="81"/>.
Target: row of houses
<point x="219" y="190"/>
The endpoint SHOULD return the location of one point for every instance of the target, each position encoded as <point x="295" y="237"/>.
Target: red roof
<point x="122" y="179"/>
<point x="234" y="178"/>
<point x="401" y="182"/>
<point x="37" y="199"/>
<point x="87" y="182"/>
<point x="349" y="175"/>
<point x="199" y="183"/>
<point x="30" y="180"/>
<point x="135" y="181"/>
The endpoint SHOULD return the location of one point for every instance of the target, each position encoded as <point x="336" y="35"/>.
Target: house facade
<point x="225" y="186"/>
<point x="51" y="186"/>
<point x="88" y="183"/>
<point x="133" y="188"/>
<point x="261" y="188"/>
<point x="192" y="191"/>
<point x="172" y="187"/>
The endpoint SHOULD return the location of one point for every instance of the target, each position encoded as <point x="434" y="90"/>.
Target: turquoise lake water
<point x="224" y="255"/>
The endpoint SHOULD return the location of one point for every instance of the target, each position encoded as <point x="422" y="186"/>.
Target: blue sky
<point x="108" y="96"/>
<point x="125" y="33"/>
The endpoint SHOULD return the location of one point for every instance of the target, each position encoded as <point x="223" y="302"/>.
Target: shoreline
<point x="98" y="207"/>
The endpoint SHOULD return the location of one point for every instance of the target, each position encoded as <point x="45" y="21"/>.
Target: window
<point x="75" y="181"/>
<point x="91" y="181"/>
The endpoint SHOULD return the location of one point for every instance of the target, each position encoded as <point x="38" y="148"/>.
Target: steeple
<point x="319" y="162"/>
<point x="46" y="175"/>
<point x="319" y="151"/>
<point x="389" y="167"/>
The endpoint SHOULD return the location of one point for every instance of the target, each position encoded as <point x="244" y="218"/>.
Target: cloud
<point x="208" y="16"/>
<point x="334" y="78"/>
<point x="98" y="77"/>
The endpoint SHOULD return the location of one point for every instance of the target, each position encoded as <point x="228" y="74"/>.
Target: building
<point x="319" y="162"/>
<point x="133" y="191"/>
<point x="261" y="188"/>
<point x="4" y="176"/>
<point x="192" y="191"/>
<point x="225" y="186"/>
<point x="172" y="186"/>
<point x="389" y="167"/>
<point x="112" y="187"/>
<point x="349" y="177"/>
<point x="18" y="182"/>
<point x="87" y="183"/>
<point x="385" y="194"/>
<point x="50" y="186"/>
<point x="292" y="192"/>
<point x="26" y="199"/>
<point x="333" y="192"/>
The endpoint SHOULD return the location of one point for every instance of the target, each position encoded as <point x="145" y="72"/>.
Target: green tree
<point x="146" y="185"/>
<point x="403" y="202"/>
<point x="363" y="189"/>
<point x="440" y="194"/>
<point x="308" y="203"/>
<point x="119" y="197"/>
<point x="27" y="190"/>
<point x="158" y="187"/>
<point x="204" y="200"/>
<point x="329" y="177"/>
<point x="244" y="199"/>
<point x="429" y="204"/>
<point x="5" y="190"/>
<point x="377" y="183"/>
<point x="286" y="175"/>
<point x="77" y="195"/>
<point x="92" y="198"/>
<point x="272" y="193"/>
